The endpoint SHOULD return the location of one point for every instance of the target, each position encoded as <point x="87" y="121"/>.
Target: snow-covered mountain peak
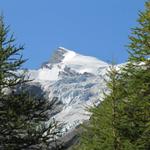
<point x="67" y="62"/>
<point x="67" y="56"/>
<point x="77" y="81"/>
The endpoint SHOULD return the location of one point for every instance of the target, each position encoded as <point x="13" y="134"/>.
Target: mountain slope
<point x="77" y="81"/>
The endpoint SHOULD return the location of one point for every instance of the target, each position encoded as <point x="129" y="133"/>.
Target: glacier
<point x="76" y="80"/>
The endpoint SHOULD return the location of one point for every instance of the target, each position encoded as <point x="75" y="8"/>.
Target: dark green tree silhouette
<point x="101" y="133"/>
<point x="122" y="120"/>
<point x="136" y="77"/>
<point x="25" y="122"/>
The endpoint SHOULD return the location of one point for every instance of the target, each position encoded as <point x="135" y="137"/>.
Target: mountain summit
<point x="64" y="59"/>
<point x="68" y="56"/>
<point x="77" y="81"/>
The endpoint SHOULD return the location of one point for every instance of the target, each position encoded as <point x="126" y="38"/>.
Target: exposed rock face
<point x="58" y="56"/>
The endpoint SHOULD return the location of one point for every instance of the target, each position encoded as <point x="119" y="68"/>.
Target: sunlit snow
<point x="77" y="81"/>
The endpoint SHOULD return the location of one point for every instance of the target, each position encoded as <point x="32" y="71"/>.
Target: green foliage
<point x="102" y="131"/>
<point x="140" y="38"/>
<point x="122" y="120"/>
<point x="23" y="122"/>
<point x="136" y="76"/>
<point x="10" y="58"/>
<point x="24" y="118"/>
<point x="136" y="113"/>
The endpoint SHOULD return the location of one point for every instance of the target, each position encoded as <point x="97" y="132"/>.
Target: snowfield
<point x="77" y="81"/>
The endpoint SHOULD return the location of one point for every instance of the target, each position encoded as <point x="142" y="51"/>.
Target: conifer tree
<point x="10" y="58"/>
<point x="132" y="99"/>
<point x="23" y="115"/>
<point x="102" y="131"/>
<point x="136" y="76"/>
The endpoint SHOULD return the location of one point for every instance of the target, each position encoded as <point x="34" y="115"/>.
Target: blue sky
<point x="97" y="28"/>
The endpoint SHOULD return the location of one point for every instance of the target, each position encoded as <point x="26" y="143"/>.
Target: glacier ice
<point x="77" y="81"/>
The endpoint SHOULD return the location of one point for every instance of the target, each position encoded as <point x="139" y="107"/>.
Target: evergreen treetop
<point x="25" y="120"/>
